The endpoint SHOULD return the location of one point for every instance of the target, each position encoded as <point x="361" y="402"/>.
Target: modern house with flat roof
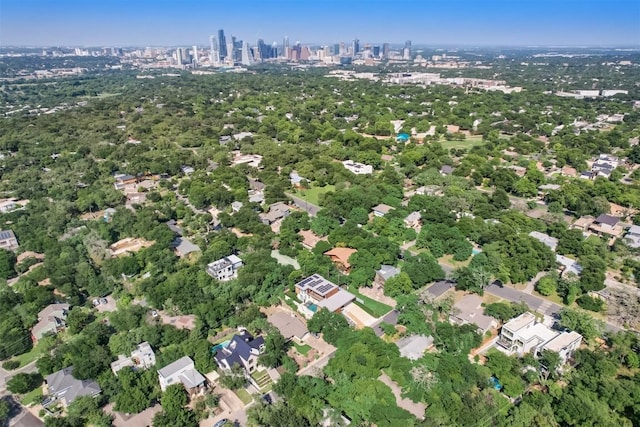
<point x="8" y="240"/>
<point x="525" y="334"/>
<point x="142" y="357"/>
<point x="182" y="371"/>
<point x="317" y="292"/>
<point x="358" y="168"/>
<point x="225" y="268"/>
<point x="382" y="209"/>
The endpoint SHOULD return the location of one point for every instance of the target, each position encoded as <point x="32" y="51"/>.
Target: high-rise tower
<point x="222" y="43"/>
<point x="215" y="51"/>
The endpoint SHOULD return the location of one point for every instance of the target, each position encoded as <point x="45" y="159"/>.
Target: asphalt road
<point x="310" y="208"/>
<point x="535" y="303"/>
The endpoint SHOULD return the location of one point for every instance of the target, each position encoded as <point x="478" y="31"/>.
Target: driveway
<point x="417" y="409"/>
<point x="233" y="409"/>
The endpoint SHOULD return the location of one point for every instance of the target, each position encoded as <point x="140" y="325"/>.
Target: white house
<point x="225" y="268"/>
<point x="142" y="357"/>
<point x="358" y="168"/>
<point x="525" y="334"/>
<point x="182" y="371"/>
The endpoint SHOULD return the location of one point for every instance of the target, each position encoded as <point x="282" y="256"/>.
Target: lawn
<point x="371" y="306"/>
<point x="302" y="349"/>
<point x="34" y="396"/>
<point x="244" y="396"/>
<point x="313" y="194"/>
<point x="469" y="142"/>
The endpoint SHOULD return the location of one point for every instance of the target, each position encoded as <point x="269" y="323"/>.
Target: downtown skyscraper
<point x="222" y="43"/>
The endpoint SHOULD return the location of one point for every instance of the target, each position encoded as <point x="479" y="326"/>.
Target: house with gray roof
<point x="8" y="240"/>
<point x="469" y="310"/>
<point x="51" y="319"/>
<point x="242" y="350"/>
<point x="549" y="241"/>
<point x="63" y="387"/>
<point x="183" y="246"/>
<point x="182" y="371"/>
<point x="385" y="273"/>
<point x="142" y="357"/>
<point x="413" y="346"/>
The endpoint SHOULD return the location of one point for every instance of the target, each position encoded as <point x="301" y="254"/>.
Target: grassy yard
<point x="313" y="194"/>
<point x="244" y="396"/>
<point x="469" y="142"/>
<point x="373" y="307"/>
<point x="302" y="349"/>
<point x="34" y="396"/>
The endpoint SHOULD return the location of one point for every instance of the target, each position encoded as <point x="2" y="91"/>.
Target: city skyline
<point x="189" y="22"/>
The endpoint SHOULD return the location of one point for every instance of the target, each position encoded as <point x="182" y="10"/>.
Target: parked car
<point x="221" y="422"/>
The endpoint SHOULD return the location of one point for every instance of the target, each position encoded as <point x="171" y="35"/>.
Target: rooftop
<point x="413" y="347"/>
<point x="337" y="300"/>
<point x="388" y="271"/>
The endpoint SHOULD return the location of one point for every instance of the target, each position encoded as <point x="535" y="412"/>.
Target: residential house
<point x="8" y="240"/>
<point x="381" y="210"/>
<point x="276" y="212"/>
<point x="632" y="238"/>
<point x="385" y="273"/>
<point x="413" y="220"/>
<point x="242" y="350"/>
<point x="295" y="179"/>
<point x="550" y="242"/>
<point x="317" y="292"/>
<point x="413" y="346"/>
<point x="236" y="206"/>
<point x="256" y="185"/>
<point x="63" y="387"/>
<point x="607" y="224"/>
<point x="182" y="371"/>
<point x="225" y="268"/>
<point x="183" y="247"/>
<point x="340" y="257"/>
<point x="583" y="223"/>
<point x="10" y="205"/>
<point x="51" y="319"/>
<point x="588" y="175"/>
<point x="446" y="170"/>
<point x="568" y="171"/>
<point x="518" y="170"/>
<point x="525" y="334"/>
<point x="310" y="239"/>
<point x="123" y="180"/>
<point x="142" y="357"/>
<point x="289" y="326"/>
<point x="252" y="160"/>
<point x="568" y="266"/>
<point x="358" y="168"/>
<point x="469" y="310"/>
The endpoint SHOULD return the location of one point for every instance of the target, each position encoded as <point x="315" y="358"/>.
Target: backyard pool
<point x="475" y="251"/>
<point x="311" y="306"/>
<point x="495" y="383"/>
<point x="220" y="346"/>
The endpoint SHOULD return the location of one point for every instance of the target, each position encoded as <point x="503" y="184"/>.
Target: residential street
<point x="310" y="208"/>
<point x="7" y="375"/>
<point x="535" y="303"/>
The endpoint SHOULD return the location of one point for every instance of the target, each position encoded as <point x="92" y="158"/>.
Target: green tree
<point x="23" y="383"/>
<point x="275" y="350"/>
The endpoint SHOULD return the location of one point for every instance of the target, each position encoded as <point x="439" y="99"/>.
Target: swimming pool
<point x="311" y="306"/>
<point x="495" y="383"/>
<point x="220" y="346"/>
<point x="475" y="251"/>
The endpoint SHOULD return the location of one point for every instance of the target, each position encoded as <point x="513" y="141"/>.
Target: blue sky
<point x="433" y="22"/>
